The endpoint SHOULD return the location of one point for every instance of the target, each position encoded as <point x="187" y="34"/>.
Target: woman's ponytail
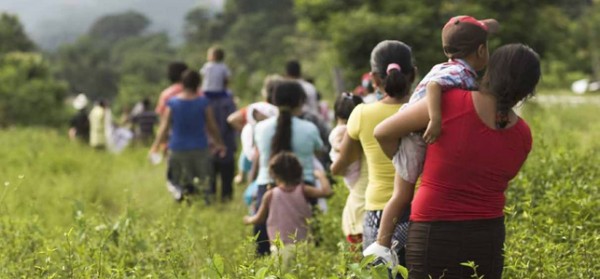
<point x="391" y="61"/>
<point x="282" y="140"/>
<point x="395" y="82"/>
<point x="288" y="95"/>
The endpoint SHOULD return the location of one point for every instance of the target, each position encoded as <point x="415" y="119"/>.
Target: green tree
<point x="115" y="27"/>
<point x="29" y="93"/>
<point x="12" y="35"/>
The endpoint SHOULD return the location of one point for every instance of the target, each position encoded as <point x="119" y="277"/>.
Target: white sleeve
<point x="247" y="141"/>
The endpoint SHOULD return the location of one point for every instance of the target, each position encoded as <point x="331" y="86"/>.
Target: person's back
<point x="98" y="126"/>
<point x="215" y="74"/>
<point x="188" y="123"/>
<point x="362" y="121"/>
<point x="145" y="122"/>
<point x="174" y="73"/>
<point x="81" y="124"/>
<point x="468" y="169"/>
<point x="304" y="141"/>
<point x="288" y="214"/>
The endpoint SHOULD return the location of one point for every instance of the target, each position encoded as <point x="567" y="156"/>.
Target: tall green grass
<point x="67" y="211"/>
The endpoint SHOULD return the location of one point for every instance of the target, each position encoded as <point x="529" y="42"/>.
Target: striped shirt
<point x="456" y="73"/>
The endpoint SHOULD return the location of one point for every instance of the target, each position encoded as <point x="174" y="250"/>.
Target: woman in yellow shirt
<point x="392" y="73"/>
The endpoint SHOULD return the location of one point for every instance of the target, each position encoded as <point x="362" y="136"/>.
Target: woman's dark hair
<point x="175" y="71"/>
<point x="269" y="85"/>
<point x="285" y="166"/>
<point x="190" y="79"/>
<point x="287" y="95"/>
<point x="344" y="105"/>
<point x="396" y="81"/>
<point x="512" y="75"/>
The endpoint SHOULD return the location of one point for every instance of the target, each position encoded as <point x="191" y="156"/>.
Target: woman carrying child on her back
<point x="286" y="208"/>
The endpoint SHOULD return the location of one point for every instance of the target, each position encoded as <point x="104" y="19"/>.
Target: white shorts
<point x="410" y="157"/>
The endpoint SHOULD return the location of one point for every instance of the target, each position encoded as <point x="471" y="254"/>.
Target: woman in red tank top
<point x="457" y="212"/>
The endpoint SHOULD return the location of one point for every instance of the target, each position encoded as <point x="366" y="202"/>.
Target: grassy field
<point x="67" y="211"/>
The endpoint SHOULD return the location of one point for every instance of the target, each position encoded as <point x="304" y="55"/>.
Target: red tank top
<point x="468" y="168"/>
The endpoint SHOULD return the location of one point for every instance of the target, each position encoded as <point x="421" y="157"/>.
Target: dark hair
<point x="217" y="53"/>
<point x="146" y="103"/>
<point x="190" y="79"/>
<point x="175" y="70"/>
<point x="512" y="75"/>
<point x="293" y="69"/>
<point x="269" y="85"/>
<point x="396" y="82"/>
<point x="287" y="95"/>
<point x="286" y="167"/>
<point x="344" y="105"/>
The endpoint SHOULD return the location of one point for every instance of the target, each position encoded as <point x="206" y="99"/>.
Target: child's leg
<point x="410" y="157"/>
<point x="241" y="175"/>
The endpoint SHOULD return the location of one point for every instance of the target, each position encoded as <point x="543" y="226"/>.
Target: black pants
<point x="226" y="170"/>
<point x="437" y="249"/>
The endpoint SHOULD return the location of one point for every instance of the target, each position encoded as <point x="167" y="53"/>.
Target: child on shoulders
<point x="215" y="73"/>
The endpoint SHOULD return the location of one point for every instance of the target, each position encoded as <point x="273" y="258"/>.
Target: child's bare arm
<point x="324" y="191"/>
<point x="434" y="107"/>
<point x="263" y="211"/>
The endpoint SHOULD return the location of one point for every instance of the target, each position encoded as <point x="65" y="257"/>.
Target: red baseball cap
<point x="463" y="34"/>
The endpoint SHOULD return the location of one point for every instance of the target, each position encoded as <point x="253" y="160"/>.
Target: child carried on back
<point x="464" y="40"/>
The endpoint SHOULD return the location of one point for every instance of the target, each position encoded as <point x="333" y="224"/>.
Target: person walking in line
<point x="457" y="212"/>
<point x="285" y="132"/>
<point x="79" y="126"/>
<point x="464" y="41"/>
<point x="188" y="118"/>
<point x="356" y="176"/>
<point x="285" y="208"/>
<point x="100" y="125"/>
<point x="392" y="72"/>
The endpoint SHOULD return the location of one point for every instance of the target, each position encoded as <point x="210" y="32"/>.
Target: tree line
<point x="120" y="60"/>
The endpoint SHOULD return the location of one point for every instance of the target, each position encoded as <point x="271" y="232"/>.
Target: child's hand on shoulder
<point x="434" y="129"/>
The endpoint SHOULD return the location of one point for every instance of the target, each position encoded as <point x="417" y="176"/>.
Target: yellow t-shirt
<point x="361" y="124"/>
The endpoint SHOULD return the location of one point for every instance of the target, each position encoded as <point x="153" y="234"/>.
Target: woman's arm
<point x="165" y="125"/>
<point x="263" y="211"/>
<point x="350" y="151"/>
<point x="236" y="119"/>
<point x="255" y="165"/>
<point x="323" y="192"/>
<point x="394" y="209"/>
<point x="389" y="131"/>
<point x="213" y="131"/>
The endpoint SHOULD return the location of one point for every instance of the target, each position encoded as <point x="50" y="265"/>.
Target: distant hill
<point x="51" y="23"/>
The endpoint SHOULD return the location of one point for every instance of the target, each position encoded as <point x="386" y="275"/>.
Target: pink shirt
<point x="167" y="94"/>
<point x="288" y="214"/>
<point x="468" y="168"/>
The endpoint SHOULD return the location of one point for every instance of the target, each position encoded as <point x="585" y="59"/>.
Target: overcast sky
<point x="53" y="22"/>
